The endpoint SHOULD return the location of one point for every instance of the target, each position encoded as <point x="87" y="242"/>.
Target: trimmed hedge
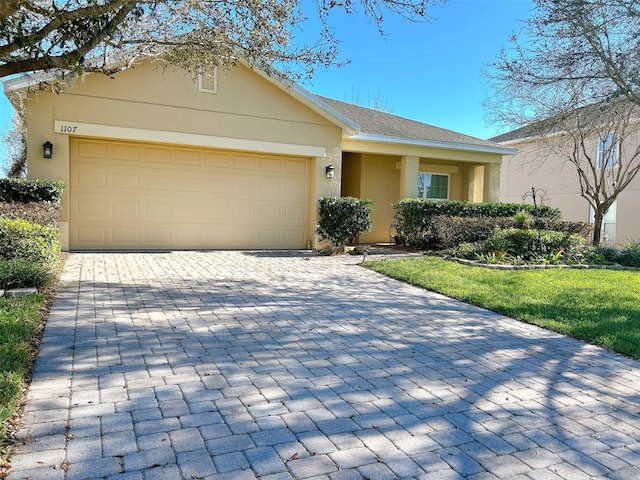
<point x="43" y="213"/>
<point x="414" y="217"/>
<point x="21" y="190"/>
<point x="342" y="218"/>
<point x="23" y="240"/>
<point x="452" y="231"/>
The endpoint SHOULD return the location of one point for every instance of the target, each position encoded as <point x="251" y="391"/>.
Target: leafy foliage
<point x="21" y="190"/>
<point x="31" y="242"/>
<point x="342" y="218"/>
<point x="528" y="245"/>
<point x="109" y="35"/>
<point x="415" y="217"/>
<point x="20" y="273"/>
<point x="43" y="213"/>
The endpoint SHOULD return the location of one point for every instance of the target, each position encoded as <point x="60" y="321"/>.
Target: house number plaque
<point x="66" y="127"/>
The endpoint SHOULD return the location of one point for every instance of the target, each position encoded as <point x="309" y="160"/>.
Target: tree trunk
<point x="598" y="217"/>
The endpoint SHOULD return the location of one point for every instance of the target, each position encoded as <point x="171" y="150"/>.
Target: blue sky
<point x="429" y="72"/>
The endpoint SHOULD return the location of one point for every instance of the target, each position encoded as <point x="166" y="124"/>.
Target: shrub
<point x="579" y="228"/>
<point x="415" y="217"/>
<point x="629" y="258"/>
<point x="19" y="273"/>
<point x="526" y="243"/>
<point x="452" y="231"/>
<point x="523" y="220"/>
<point x="43" y="213"/>
<point x="22" y="190"/>
<point x="342" y="218"/>
<point x="20" y="239"/>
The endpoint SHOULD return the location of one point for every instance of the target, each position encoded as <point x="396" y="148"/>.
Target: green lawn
<point x="598" y="306"/>
<point x="19" y="321"/>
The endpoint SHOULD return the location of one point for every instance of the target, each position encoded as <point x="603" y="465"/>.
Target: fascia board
<point x="433" y="143"/>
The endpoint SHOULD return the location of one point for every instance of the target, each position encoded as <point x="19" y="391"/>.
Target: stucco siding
<point x="165" y="106"/>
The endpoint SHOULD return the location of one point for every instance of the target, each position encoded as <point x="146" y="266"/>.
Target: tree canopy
<point x="110" y="35"/>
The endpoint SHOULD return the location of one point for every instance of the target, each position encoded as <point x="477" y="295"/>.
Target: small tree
<point x="342" y="218"/>
<point x="573" y="83"/>
<point x="15" y="142"/>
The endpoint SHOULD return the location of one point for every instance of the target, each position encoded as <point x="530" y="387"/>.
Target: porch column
<point x="476" y="183"/>
<point x="492" y="182"/>
<point x="409" y="169"/>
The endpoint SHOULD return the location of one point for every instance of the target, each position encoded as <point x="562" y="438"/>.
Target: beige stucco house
<point x="537" y="165"/>
<point x="155" y="160"/>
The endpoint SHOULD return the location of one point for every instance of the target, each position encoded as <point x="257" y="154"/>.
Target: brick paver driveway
<point x="275" y="365"/>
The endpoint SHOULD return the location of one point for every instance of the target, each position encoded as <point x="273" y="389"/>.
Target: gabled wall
<point x="154" y="104"/>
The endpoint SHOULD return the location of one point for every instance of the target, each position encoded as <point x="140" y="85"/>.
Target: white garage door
<point x="126" y="195"/>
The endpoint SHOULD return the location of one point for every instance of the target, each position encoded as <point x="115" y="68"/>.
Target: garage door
<point x="126" y="195"/>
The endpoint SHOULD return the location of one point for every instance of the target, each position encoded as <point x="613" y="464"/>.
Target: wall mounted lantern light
<point x="330" y="171"/>
<point x="47" y="149"/>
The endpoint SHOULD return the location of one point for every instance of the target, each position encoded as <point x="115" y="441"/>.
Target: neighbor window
<point x="608" y="151"/>
<point x="208" y="82"/>
<point x="433" y="186"/>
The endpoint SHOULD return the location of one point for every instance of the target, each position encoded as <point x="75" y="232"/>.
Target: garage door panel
<point x="271" y="165"/>
<point x="245" y="162"/>
<point x="91" y="148"/>
<point x="126" y="152"/>
<point x="126" y="208"/>
<point x="92" y="235"/>
<point x="156" y="154"/>
<point x="218" y="160"/>
<point x="90" y="207"/>
<point x="125" y="236"/>
<point x="295" y="193"/>
<point x="89" y="178"/>
<point x="125" y="180"/>
<point x="297" y="167"/>
<point x="156" y="237"/>
<point x="127" y="195"/>
<point x="295" y="215"/>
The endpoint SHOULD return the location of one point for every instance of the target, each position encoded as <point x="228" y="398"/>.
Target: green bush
<point x="527" y="243"/>
<point x="19" y="273"/>
<point x="452" y="231"/>
<point x="20" y="239"/>
<point x="23" y="190"/>
<point x="414" y="217"/>
<point x="43" y="213"/>
<point x="343" y="218"/>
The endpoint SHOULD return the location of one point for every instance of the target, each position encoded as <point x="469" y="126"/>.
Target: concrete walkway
<point x="240" y="365"/>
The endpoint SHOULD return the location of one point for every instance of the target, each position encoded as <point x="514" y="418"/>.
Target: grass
<point x="20" y="319"/>
<point x="597" y="306"/>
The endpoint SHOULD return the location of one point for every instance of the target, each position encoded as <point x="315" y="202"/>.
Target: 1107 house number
<point x="67" y="128"/>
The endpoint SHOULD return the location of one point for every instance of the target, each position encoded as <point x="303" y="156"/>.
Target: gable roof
<point x="356" y="122"/>
<point x="388" y="128"/>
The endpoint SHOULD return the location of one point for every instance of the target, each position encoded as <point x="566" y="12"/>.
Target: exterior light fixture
<point x="330" y="171"/>
<point x="47" y="149"/>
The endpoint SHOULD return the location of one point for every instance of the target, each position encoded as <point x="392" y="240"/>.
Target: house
<point x="539" y="165"/>
<point x="153" y="159"/>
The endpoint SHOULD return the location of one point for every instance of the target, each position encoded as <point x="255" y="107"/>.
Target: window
<point x="608" y="151"/>
<point x="433" y="186"/>
<point x="208" y="83"/>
